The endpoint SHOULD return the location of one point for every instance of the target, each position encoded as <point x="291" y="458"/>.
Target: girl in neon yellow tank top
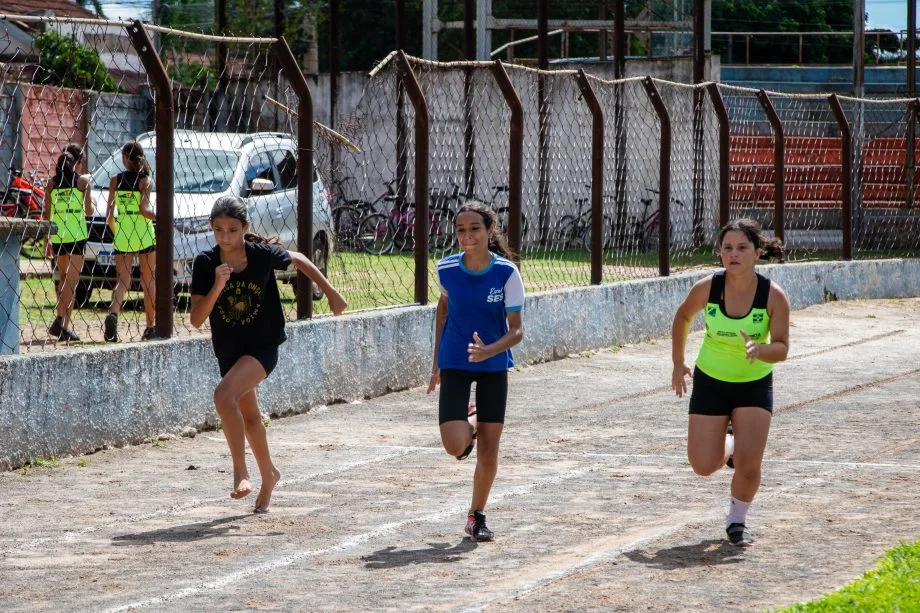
<point x="130" y="218"/>
<point x="747" y="331"/>
<point x="70" y="199"/>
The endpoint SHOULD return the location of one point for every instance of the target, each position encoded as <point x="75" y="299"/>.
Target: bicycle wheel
<point x="33" y="248"/>
<point x="564" y="233"/>
<point x="375" y="235"/>
<point x="442" y="234"/>
<point x="345" y="222"/>
<point x="606" y="234"/>
<point x="502" y="213"/>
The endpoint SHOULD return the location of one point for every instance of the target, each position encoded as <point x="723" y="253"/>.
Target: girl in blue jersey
<point x="747" y="331"/>
<point x="478" y="321"/>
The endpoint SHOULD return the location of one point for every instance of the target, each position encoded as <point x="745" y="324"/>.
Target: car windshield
<point x="197" y="171"/>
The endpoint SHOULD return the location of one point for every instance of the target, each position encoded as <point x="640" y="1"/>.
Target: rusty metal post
<point x="664" y="179"/>
<point x="718" y="104"/>
<point x="291" y="70"/>
<point x="402" y="139"/>
<point x="597" y="177"/>
<point x="414" y="91"/>
<point x="543" y="121"/>
<point x="913" y="109"/>
<point x="846" y="167"/>
<point x="779" y="165"/>
<point x="621" y="159"/>
<point x="165" y="128"/>
<point x="515" y="158"/>
<point x="619" y="38"/>
<point x="335" y="35"/>
<point x="699" y="134"/>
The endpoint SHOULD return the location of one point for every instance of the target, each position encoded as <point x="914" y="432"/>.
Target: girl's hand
<point x="435" y="380"/>
<point x="221" y="276"/>
<point x="49" y="253"/>
<point x="478" y="350"/>
<point x="337" y="304"/>
<point x="678" y="382"/>
<point x="751" y="348"/>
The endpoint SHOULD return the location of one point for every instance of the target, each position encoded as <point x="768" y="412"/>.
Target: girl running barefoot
<point x="478" y="321"/>
<point x="747" y="331"/>
<point x="234" y="287"/>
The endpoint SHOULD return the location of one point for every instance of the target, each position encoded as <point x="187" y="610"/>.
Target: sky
<point x="889" y="14"/>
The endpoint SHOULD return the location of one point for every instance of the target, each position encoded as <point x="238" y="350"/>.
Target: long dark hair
<point x="135" y="154"/>
<point x="65" y="169"/>
<point x="772" y="247"/>
<point x="234" y="208"/>
<point x="498" y="243"/>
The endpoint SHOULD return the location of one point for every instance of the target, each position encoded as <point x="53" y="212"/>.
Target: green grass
<point x="894" y="585"/>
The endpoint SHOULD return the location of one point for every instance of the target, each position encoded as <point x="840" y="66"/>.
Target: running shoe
<point x="56" y="327"/>
<point x="149" y="333"/>
<point x="730" y="462"/>
<point x="739" y="535"/>
<point x="110" y="328"/>
<point x="476" y="527"/>
<point x="471" y="418"/>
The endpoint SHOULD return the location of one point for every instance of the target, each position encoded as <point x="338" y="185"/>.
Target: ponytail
<point x="135" y="154"/>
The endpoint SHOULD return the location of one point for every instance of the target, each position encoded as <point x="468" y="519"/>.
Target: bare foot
<point x="265" y="492"/>
<point x="241" y="488"/>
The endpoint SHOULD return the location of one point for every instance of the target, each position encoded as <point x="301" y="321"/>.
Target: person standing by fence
<point x="478" y="321"/>
<point x="747" y="331"/>
<point x="71" y="201"/>
<point x="129" y="195"/>
<point x="234" y="288"/>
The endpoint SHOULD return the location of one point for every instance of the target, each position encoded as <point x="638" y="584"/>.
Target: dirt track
<point x="595" y="506"/>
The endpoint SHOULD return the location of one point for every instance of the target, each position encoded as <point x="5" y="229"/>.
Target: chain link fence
<point x="650" y="152"/>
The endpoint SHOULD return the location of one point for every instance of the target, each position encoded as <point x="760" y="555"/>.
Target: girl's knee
<point x="224" y="399"/>
<point x="705" y="466"/>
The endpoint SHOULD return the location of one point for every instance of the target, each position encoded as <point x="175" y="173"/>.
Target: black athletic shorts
<point x="149" y="249"/>
<point x="266" y="356"/>
<point x="491" y="395"/>
<point x="711" y="396"/>
<point x="76" y="248"/>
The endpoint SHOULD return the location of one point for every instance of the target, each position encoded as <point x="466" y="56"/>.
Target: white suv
<point x="259" y="167"/>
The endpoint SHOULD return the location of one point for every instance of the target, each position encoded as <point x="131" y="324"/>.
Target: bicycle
<point x="348" y="215"/>
<point x="647" y="229"/>
<point x="378" y="233"/>
<point x="572" y="230"/>
<point x="442" y="199"/>
<point x="25" y="198"/>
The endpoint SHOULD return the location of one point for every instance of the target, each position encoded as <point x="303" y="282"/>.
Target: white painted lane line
<point x="353" y="541"/>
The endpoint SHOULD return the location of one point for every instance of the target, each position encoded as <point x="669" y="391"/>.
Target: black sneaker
<point x="739" y="535"/>
<point x="68" y="336"/>
<point x="110" y="328"/>
<point x="56" y="328"/>
<point x="149" y="333"/>
<point x="471" y="418"/>
<point x="476" y="527"/>
<point x="730" y="462"/>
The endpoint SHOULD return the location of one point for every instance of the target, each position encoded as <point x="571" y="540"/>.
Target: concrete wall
<point x="77" y="401"/>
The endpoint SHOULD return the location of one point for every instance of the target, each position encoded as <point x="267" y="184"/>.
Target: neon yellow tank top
<point x="68" y="215"/>
<point x="723" y="355"/>
<point x="133" y="231"/>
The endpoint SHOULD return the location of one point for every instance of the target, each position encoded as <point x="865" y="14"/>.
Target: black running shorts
<point x="267" y="357"/>
<point x="75" y="248"/>
<point x="491" y="395"/>
<point x="711" y="396"/>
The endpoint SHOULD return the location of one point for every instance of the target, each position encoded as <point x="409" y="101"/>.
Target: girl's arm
<point x="203" y="305"/>
<point x="110" y="209"/>
<point x="479" y="351"/>
<point x="692" y="304"/>
<point x="778" y="348"/>
<point x="85" y="185"/>
<point x="146" y="186"/>
<point x="440" y="318"/>
<point x="337" y="304"/>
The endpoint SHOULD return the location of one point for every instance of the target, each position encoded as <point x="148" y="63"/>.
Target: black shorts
<point x="491" y="395"/>
<point x="76" y="248"/>
<point x="266" y="356"/>
<point x="711" y="396"/>
<point x="149" y="249"/>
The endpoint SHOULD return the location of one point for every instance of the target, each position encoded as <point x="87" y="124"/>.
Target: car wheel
<point x="320" y="260"/>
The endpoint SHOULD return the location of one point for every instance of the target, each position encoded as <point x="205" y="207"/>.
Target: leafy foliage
<point x="67" y="63"/>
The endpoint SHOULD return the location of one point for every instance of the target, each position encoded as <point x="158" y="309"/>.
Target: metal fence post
<point x="664" y="179"/>
<point x="304" y="170"/>
<point x="779" y="165"/>
<point x="718" y="104"/>
<point x="597" y="177"/>
<point x="516" y="158"/>
<point x="164" y="128"/>
<point x="414" y="91"/>
<point x="846" y="166"/>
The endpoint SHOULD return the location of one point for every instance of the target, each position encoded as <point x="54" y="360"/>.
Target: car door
<point x="285" y="167"/>
<point x="264" y="213"/>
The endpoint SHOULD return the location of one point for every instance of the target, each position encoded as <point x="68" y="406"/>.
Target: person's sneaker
<point x="110" y="328"/>
<point x="149" y="333"/>
<point x="739" y="535"/>
<point x="471" y="418"/>
<point x="476" y="527"/>
<point x="68" y="336"/>
<point x="730" y="462"/>
<point x="56" y="327"/>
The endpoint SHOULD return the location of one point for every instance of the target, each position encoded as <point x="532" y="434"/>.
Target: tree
<point x="66" y="63"/>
